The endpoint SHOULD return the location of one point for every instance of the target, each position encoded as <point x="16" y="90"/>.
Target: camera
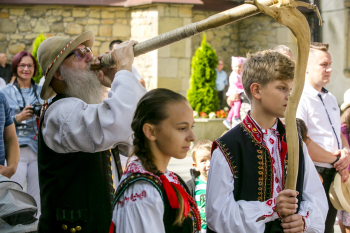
<point x="36" y="107"/>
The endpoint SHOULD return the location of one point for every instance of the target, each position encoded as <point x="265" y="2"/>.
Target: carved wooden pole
<point x="285" y="13"/>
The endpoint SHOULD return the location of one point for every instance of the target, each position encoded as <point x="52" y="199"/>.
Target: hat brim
<point x="339" y="193"/>
<point x="344" y="106"/>
<point x="86" y="38"/>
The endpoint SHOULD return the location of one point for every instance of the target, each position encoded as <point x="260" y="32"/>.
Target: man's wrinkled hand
<point x="293" y="224"/>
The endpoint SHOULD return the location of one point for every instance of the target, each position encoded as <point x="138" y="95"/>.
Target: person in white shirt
<point x="319" y="109"/>
<point x="79" y="131"/>
<point x="245" y="189"/>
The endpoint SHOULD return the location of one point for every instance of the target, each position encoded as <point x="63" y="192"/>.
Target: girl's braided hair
<point x="152" y="109"/>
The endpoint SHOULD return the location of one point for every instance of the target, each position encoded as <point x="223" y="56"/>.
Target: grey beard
<point x="83" y="84"/>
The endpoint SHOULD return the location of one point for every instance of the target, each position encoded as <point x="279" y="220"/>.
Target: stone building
<point x="336" y="32"/>
<point x="168" y="67"/>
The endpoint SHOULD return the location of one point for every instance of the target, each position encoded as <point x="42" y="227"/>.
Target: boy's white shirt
<point x="225" y="214"/>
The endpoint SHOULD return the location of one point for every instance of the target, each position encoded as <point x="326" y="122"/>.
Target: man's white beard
<point x="83" y="84"/>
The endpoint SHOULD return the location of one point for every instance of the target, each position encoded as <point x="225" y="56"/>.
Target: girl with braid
<point x="151" y="198"/>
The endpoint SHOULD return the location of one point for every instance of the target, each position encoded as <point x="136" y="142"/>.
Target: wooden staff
<point x="220" y="19"/>
<point x="285" y="13"/>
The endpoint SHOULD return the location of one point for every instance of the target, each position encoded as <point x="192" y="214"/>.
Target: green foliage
<point x="40" y="38"/>
<point x="202" y="94"/>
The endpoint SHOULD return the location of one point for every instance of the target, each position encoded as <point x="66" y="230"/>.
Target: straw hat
<point x="346" y="103"/>
<point x="53" y="51"/>
<point x="339" y="194"/>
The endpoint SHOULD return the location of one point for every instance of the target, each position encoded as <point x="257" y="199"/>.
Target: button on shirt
<point x="221" y="80"/>
<point x="312" y="111"/>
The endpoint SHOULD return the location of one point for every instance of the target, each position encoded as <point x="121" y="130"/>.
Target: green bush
<point x="40" y="38"/>
<point x="202" y="94"/>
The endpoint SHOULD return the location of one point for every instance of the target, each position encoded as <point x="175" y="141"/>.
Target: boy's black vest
<point x="250" y="164"/>
<point x="75" y="188"/>
<point x="190" y="223"/>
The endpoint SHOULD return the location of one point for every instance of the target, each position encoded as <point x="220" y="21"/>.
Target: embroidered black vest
<point x="190" y="223"/>
<point x="251" y="166"/>
<point x="75" y="188"/>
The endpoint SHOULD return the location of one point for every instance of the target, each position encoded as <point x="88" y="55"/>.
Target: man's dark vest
<point x="190" y="222"/>
<point x="75" y="188"/>
<point x="250" y="163"/>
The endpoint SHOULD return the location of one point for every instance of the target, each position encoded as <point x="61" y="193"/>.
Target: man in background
<point x="318" y="108"/>
<point x="221" y="82"/>
<point x="5" y="69"/>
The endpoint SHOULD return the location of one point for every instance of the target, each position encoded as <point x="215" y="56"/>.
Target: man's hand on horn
<point x="123" y="56"/>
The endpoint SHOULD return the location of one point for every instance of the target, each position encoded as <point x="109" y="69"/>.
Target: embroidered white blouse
<point x="225" y="214"/>
<point x="140" y="208"/>
<point x="71" y="125"/>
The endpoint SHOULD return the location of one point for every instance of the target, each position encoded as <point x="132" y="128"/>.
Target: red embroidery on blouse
<point x="272" y="141"/>
<point x="271" y="203"/>
<point x="133" y="197"/>
<point x="276" y="180"/>
<point x="136" y="167"/>
<point x="278" y="189"/>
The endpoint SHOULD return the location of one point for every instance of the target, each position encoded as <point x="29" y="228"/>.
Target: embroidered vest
<point x="250" y="163"/>
<point x="76" y="189"/>
<point x="191" y="222"/>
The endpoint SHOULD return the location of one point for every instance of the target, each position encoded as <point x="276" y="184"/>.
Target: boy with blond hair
<point x="197" y="185"/>
<point x="245" y="190"/>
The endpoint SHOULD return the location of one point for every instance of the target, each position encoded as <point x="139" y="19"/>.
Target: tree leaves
<point x="202" y="94"/>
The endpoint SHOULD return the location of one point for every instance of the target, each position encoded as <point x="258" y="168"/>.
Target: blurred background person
<point x="5" y="69"/>
<point x="221" y="82"/>
<point x="23" y="96"/>
<point x="284" y="50"/>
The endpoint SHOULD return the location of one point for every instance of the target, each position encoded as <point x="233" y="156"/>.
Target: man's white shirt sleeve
<point x="71" y="125"/>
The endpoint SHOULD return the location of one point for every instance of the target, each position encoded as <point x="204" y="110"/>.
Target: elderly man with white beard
<point x="79" y="129"/>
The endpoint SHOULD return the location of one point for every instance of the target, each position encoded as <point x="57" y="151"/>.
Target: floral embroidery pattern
<point x="133" y="197"/>
<point x="136" y="167"/>
<point x="271" y="203"/>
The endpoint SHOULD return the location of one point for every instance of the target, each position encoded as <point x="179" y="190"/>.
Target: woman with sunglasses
<point x="21" y="95"/>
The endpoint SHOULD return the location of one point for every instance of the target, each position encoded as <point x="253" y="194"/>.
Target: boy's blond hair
<point x="265" y="67"/>
<point x="200" y="145"/>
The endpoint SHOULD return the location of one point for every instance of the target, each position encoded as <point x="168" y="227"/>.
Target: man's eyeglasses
<point x="22" y="66"/>
<point x="80" y="53"/>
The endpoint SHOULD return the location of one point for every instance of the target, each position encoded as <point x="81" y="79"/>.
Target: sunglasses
<point x="80" y="53"/>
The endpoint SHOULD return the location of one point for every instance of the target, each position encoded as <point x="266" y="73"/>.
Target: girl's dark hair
<point x="152" y="109"/>
<point x="345" y="117"/>
<point x="17" y="59"/>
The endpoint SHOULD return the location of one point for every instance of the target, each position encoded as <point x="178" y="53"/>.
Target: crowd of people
<point x="94" y="146"/>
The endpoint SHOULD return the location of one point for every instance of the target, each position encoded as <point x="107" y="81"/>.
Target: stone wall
<point x="169" y="67"/>
<point x="19" y="25"/>
<point x="248" y="35"/>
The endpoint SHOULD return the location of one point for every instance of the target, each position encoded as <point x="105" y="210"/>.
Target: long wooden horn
<point x="285" y="13"/>
<point x="220" y="19"/>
